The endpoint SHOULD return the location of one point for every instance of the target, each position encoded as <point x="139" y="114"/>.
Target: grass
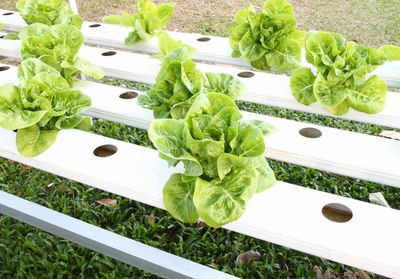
<point x="26" y="252"/>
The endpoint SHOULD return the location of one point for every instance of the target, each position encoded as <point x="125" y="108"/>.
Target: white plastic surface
<point x="366" y="157"/>
<point x="286" y="214"/>
<point x="215" y="50"/>
<point x="263" y="88"/>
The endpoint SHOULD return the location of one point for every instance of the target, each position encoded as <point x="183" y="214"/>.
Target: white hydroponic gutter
<point x="210" y="48"/>
<point x="263" y="88"/>
<point x="286" y="214"/>
<point x="347" y="153"/>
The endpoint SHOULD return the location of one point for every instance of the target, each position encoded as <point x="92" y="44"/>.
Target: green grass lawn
<point x="26" y="252"/>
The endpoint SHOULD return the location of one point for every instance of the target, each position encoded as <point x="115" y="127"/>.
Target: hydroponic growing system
<point x="326" y="225"/>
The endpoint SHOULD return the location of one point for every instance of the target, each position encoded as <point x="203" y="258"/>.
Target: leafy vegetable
<point x="57" y="46"/>
<point x="223" y="159"/>
<point x="178" y="83"/>
<point x="150" y="18"/>
<point x="340" y="81"/>
<point x="268" y="39"/>
<point x="49" y="12"/>
<point x="166" y="44"/>
<point x="42" y="107"/>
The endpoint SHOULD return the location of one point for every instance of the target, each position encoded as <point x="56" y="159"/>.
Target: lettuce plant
<point x="268" y="39"/>
<point x="57" y="46"/>
<point x="222" y="156"/>
<point x="43" y="105"/>
<point x="341" y="67"/>
<point x="149" y="18"/>
<point x="49" y="12"/>
<point x="178" y="83"/>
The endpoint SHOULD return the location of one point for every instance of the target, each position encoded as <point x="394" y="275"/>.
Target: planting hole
<point x="109" y="53"/>
<point x="203" y="39"/>
<point x="311" y="133"/>
<point x="1" y="37"/>
<point x="4" y="68"/>
<point x="105" y="150"/>
<point x="245" y="74"/>
<point x="95" y="25"/>
<point x="9" y="13"/>
<point x="128" y="95"/>
<point x="337" y="212"/>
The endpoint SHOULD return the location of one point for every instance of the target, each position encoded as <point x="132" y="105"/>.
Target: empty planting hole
<point x="203" y="39"/>
<point x="337" y="212"/>
<point x="109" y="53"/>
<point x="310" y="133"/>
<point x="4" y="68"/>
<point x="9" y="13"/>
<point x="95" y="25"/>
<point x="128" y="95"/>
<point x="105" y="150"/>
<point x="1" y="37"/>
<point x="245" y="74"/>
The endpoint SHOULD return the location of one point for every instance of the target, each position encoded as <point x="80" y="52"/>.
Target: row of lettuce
<point x="198" y="123"/>
<point x="45" y="102"/>
<point x="270" y="39"/>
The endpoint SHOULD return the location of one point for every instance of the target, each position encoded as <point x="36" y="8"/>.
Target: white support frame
<point x="73" y="6"/>
<point x="121" y="248"/>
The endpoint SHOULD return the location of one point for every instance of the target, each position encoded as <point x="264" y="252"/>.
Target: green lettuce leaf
<point x="302" y="86"/>
<point x="178" y="197"/>
<point x="369" y="97"/>
<point x="219" y="202"/>
<point x="167" y="137"/>
<point x="32" y="141"/>
<point x="150" y="17"/>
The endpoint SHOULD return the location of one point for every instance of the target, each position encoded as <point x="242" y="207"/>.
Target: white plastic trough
<point x="210" y="48"/>
<point x="263" y="88"/>
<point x="347" y="153"/>
<point x="286" y="214"/>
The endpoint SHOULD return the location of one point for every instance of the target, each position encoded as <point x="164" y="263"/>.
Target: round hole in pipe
<point x="109" y="53"/>
<point x="9" y="13"/>
<point x="95" y="25"/>
<point x="4" y="68"/>
<point x="203" y="39"/>
<point x="128" y="95"/>
<point x="246" y="74"/>
<point x="105" y="150"/>
<point x="1" y="37"/>
<point x="311" y="133"/>
<point x="337" y="212"/>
